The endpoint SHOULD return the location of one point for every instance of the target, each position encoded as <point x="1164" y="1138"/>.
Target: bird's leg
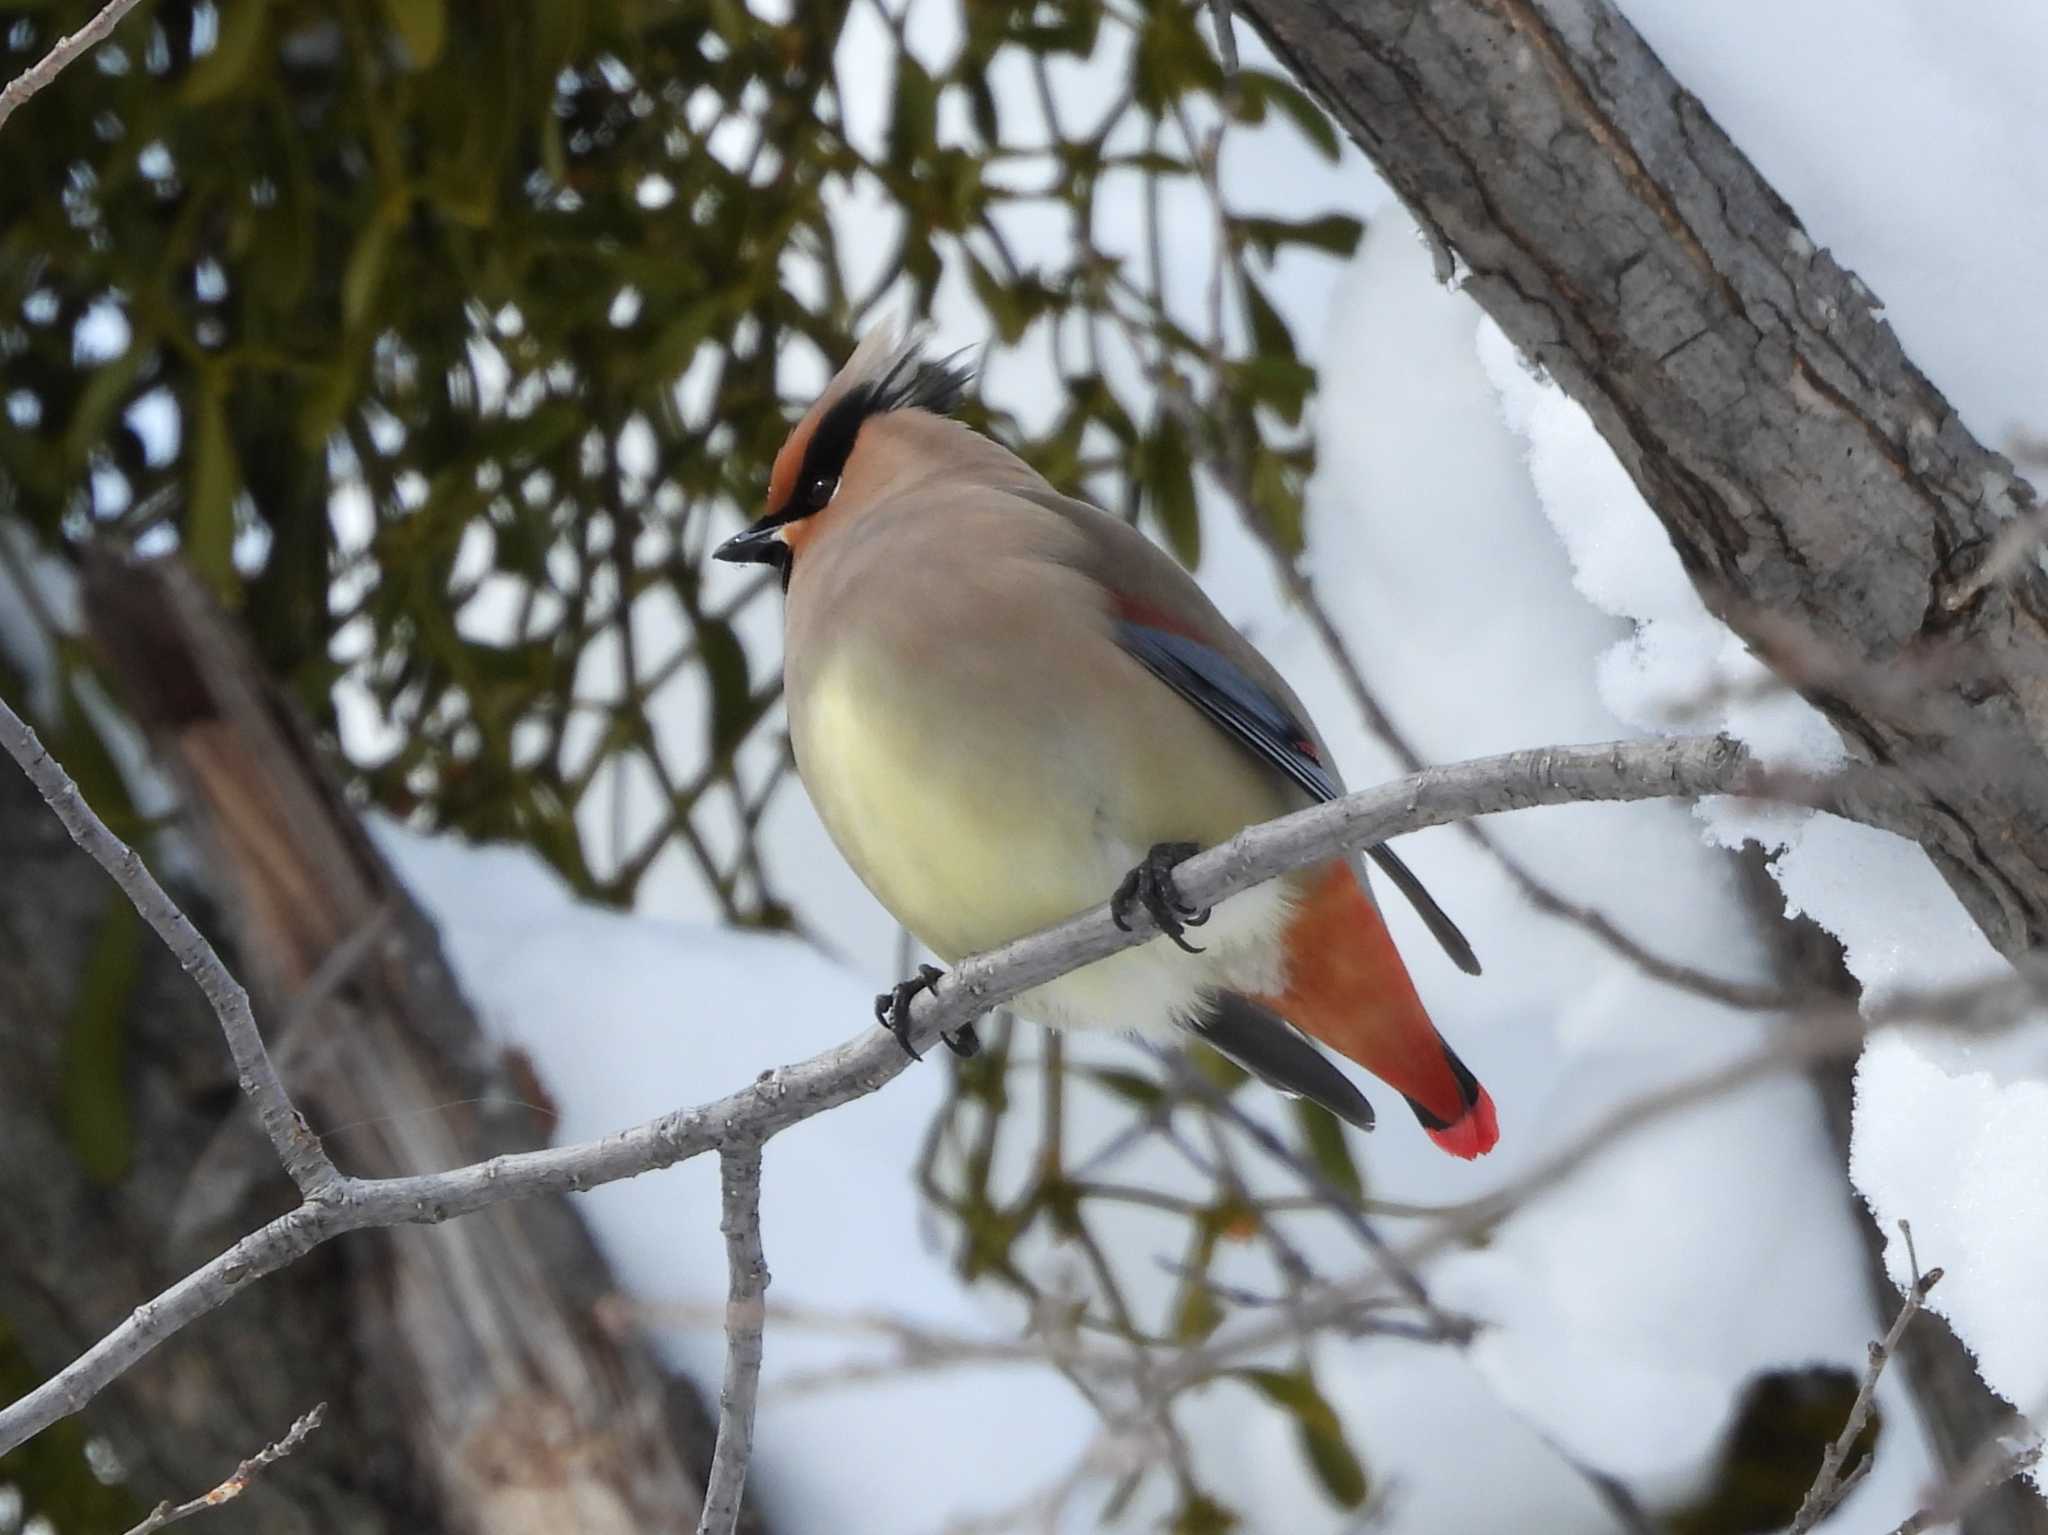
<point x="892" y="1012"/>
<point x="1151" y="886"/>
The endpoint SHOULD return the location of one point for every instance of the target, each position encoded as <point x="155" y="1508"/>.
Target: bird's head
<point x="885" y="375"/>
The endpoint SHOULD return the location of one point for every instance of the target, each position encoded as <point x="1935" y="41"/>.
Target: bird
<point x="1007" y="704"/>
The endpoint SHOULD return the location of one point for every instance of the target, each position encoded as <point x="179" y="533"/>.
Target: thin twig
<point x="915" y="1348"/>
<point x="164" y="1513"/>
<point x="1616" y="771"/>
<point x="297" y="1146"/>
<point x="1454" y="1329"/>
<point x="739" y="1176"/>
<point x="1829" y="1487"/>
<point x="61" y="55"/>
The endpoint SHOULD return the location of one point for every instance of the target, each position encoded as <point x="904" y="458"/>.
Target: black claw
<point x="892" y="1010"/>
<point x="963" y="1041"/>
<point x="1151" y="886"/>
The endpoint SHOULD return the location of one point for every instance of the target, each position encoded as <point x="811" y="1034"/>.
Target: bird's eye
<point x="819" y="493"/>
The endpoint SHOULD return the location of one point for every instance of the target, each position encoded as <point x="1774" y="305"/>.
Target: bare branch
<point x="914" y="1349"/>
<point x="60" y="57"/>
<point x="1829" y="1487"/>
<point x="739" y="1167"/>
<point x="1617" y="771"/>
<point x="1455" y="1329"/>
<point x="237" y="1484"/>
<point x="297" y="1146"/>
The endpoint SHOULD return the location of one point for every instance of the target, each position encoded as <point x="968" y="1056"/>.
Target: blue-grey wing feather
<point x="1232" y="699"/>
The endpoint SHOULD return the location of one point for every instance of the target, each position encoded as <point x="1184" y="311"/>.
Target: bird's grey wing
<point x="1233" y="699"/>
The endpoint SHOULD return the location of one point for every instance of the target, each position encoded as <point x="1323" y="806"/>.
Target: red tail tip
<point x="1473" y="1134"/>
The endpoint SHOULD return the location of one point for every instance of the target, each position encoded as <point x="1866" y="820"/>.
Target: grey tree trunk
<point x="1824" y="497"/>
<point x="103" y="1116"/>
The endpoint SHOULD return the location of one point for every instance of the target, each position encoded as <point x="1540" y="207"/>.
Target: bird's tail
<point x="1346" y="986"/>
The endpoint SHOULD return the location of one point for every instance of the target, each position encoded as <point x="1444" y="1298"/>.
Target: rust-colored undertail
<point x="1346" y="986"/>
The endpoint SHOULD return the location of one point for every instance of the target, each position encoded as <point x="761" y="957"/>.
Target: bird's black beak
<point x="757" y="546"/>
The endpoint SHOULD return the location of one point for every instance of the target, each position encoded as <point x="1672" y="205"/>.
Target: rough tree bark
<point x="1825" y="498"/>
<point x="83" y="1238"/>
<point x="472" y="1387"/>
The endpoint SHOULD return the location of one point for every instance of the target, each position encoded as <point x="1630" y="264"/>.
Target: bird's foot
<point x="1151" y="886"/>
<point x="892" y="1012"/>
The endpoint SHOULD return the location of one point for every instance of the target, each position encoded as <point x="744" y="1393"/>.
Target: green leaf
<point x="914" y="124"/>
<point x="1092" y="394"/>
<point x="1277" y="495"/>
<point x="1257" y="90"/>
<point x="421" y="24"/>
<point x="1127" y="1085"/>
<point x="209" y="532"/>
<point x="1336" y="233"/>
<point x="981" y="103"/>
<point x="1323" y="1137"/>
<point x="108" y="387"/>
<point x="1171" y="58"/>
<point x="1220" y="1069"/>
<point x="243" y="27"/>
<point x="1281" y="383"/>
<point x="1336" y="1466"/>
<point x="1169" y="482"/>
<point x="366" y="263"/>
<point x="1006" y="306"/>
<point x="734" y="706"/>
<point x="1323" y="1444"/>
<point x="1196" y="1311"/>
<point x="92" y="1084"/>
<point x="1202" y="1515"/>
<point x="1270" y="335"/>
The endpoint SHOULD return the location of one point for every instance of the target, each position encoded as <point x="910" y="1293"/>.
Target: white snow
<point x="626" y="1017"/>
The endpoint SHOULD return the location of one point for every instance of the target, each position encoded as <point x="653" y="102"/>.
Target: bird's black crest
<point x="904" y="381"/>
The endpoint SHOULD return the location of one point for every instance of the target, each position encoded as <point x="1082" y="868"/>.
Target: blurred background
<point x="375" y="376"/>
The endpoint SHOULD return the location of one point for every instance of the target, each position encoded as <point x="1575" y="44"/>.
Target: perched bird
<point x="1007" y="705"/>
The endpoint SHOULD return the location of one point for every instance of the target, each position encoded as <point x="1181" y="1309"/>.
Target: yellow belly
<point x="975" y="832"/>
<point x="967" y="848"/>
